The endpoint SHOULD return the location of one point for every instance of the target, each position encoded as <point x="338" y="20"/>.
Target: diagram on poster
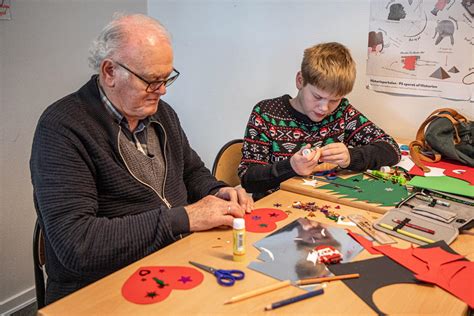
<point x="422" y="47"/>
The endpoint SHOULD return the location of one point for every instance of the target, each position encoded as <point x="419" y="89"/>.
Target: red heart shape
<point x="150" y="285"/>
<point x="263" y="220"/>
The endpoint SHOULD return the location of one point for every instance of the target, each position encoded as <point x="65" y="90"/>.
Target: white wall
<point x="43" y="56"/>
<point x="233" y="54"/>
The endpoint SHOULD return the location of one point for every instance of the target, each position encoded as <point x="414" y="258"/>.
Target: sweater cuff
<point x="283" y="170"/>
<point x="357" y="159"/>
<point x="179" y="220"/>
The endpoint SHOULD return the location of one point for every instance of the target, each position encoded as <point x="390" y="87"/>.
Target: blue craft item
<point x="224" y="277"/>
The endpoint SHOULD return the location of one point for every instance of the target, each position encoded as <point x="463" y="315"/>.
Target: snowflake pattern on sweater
<point x="275" y="131"/>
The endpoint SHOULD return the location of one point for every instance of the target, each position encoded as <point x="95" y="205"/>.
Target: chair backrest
<point x="39" y="262"/>
<point x="227" y="161"/>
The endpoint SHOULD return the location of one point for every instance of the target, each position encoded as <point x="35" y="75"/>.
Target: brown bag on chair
<point x="444" y="134"/>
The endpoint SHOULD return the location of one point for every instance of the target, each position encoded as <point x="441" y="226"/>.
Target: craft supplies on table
<point x="373" y="194"/>
<point x="224" y="277"/>
<point x="367" y="227"/>
<point x="423" y="219"/>
<point x="283" y="284"/>
<point x="238" y="234"/>
<point x="294" y="299"/>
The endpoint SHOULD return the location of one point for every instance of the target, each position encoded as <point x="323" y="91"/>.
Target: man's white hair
<point x="114" y="35"/>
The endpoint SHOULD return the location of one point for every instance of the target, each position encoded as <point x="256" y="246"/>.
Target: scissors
<point x="224" y="277"/>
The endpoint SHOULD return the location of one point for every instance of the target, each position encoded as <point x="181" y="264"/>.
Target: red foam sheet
<point x="263" y="220"/>
<point x="154" y="284"/>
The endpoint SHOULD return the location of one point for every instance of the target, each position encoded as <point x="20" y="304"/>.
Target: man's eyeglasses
<point x="152" y="85"/>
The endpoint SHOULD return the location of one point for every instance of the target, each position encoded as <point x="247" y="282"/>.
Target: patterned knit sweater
<point x="96" y="216"/>
<point x="275" y="131"/>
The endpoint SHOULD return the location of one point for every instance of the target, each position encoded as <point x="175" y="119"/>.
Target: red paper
<point x="150" y="285"/>
<point x="451" y="169"/>
<point x="263" y="220"/>
<point x="433" y="265"/>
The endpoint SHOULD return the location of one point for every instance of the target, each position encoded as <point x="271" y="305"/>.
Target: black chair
<point x="227" y="161"/>
<point x="39" y="262"/>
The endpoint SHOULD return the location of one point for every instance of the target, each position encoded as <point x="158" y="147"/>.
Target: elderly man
<point x="114" y="176"/>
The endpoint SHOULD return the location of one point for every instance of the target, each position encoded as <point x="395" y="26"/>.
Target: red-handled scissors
<point x="224" y="277"/>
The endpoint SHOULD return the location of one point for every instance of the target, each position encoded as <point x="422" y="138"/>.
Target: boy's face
<point x="314" y="102"/>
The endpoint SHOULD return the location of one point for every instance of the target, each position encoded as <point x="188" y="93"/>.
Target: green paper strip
<point x="444" y="184"/>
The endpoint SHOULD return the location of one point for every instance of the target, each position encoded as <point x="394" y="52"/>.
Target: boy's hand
<point x="303" y="164"/>
<point x="336" y="153"/>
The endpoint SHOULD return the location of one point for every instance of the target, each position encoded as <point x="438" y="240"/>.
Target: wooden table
<point x="215" y="248"/>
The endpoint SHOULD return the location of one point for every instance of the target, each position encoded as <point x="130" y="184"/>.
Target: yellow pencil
<point x="256" y="292"/>
<point x="404" y="232"/>
<point x="327" y="279"/>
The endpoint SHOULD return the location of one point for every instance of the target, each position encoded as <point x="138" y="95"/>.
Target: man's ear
<point x="108" y="72"/>
<point x="299" y="81"/>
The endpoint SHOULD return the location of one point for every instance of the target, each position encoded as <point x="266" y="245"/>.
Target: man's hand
<point x="303" y="165"/>
<point x="210" y="212"/>
<point x="336" y="153"/>
<point x="236" y="195"/>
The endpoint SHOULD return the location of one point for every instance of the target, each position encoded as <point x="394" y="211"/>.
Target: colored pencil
<point x="294" y="299"/>
<point x="327" y="279"/>
<point x="404" y="232"/>
<point x="420" y="228"/>
<point x="266" y="289"/>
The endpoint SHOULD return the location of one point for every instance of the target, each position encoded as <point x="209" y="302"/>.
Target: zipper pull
<point x="166" y="202"/>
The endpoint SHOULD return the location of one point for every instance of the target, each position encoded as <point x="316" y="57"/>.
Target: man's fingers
<point x="234" y="210"/>
<point x="245" y="201"/>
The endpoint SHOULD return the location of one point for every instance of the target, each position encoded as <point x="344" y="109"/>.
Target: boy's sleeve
<point x="369" y="146"/>
<point x="257" y="174"/>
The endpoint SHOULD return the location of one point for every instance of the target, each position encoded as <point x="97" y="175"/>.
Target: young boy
<point x="279" y="130"/>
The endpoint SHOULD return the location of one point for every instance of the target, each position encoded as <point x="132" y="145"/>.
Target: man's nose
<point x="161" y="90"/>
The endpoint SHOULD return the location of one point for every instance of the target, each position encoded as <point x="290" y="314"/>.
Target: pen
<point x="431" y="199"/>
<point x="294" y="299"/>
<point x="420" y="228"/>
<point x="404" y="232"/>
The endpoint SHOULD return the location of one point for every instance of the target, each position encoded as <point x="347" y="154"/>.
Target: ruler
<point x="364" y="224"/>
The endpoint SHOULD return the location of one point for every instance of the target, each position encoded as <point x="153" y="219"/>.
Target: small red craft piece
<point x="328" y="254"/>
<point x="263" y="220"/>
<point x="150" y="285"/>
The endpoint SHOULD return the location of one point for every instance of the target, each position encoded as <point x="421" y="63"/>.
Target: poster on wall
<point x="5" y="10"/>
<point x="422" y="48"/>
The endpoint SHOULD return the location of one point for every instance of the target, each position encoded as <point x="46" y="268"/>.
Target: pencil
<point x="327" y="279"/>
<point x="294" y="299"/>
<point x="404" y="232"/>
<point x="266" y="289"/>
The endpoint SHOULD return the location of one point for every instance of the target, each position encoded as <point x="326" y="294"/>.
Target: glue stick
<point x="239" y="239"/>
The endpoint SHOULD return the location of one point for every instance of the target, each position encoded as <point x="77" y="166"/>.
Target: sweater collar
<point x="115" y="113"/>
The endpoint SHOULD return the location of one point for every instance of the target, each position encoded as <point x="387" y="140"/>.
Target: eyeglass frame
<point x="166" y="82"/>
